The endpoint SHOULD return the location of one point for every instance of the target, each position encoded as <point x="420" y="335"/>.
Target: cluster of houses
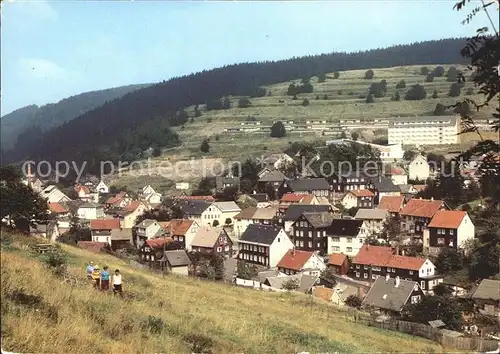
<point x="296" y="235"/>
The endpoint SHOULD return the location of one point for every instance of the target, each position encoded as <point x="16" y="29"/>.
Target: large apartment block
<point x="424" y="130"/>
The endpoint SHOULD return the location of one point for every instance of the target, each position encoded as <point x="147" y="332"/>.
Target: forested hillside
<point x="123" y="127"/>
<point x="44" y="118"/>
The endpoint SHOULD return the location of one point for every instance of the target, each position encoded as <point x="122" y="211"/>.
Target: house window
<point x="310" y="234"/>
<point x="318" y="244"/>
<point x="335" y="248"/>
<point x="451" y="232"/>
<point x="324" y="233"/>
<point x="357" y="274"/>
<point x="365" y="275"/>
<point x="335" y="239"/>
<point x="301" y="243"/>
<point x="441" y="241"/>
<point x="349" y="249"/>
<point x="297" y="233"/>
<point x="301" y="233"/>
<point x="411" y="272"/>
<point x="219" y="249"/>
<point x="349" y="240"/>
<point x="310" y="244"/>
<point x="357" y="266"/>
<point x="415" y="299"/>
<point x="422" y="284"/>
<point x="297" y="243"/>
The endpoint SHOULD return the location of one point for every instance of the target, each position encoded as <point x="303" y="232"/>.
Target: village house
<point x="102" y="187"/>
<point x="358" y="198"/>
<point x="221" y="183"/>
<point x="316" y="186"/>
<point x="294" y="212"/>
<point x="276" y="161"/>
<point x="373" y="262"/>
<point x="228" y="210"/>
<point x="390" y="295"/>
<point x="273" y="178"/>
<point x="252" y="215"/>
<point x="336" y="295"/>
<point x="207" y="198"/>
<point x="90" y="211"/>
<point x="151" y="251"/>
<point x="417" y="214"/>
<point x="101" y="229"/>
<point x="344" y="236"/>
<point x="418" y="169"/>
<point x="146" y="230"/>
<point x="295" y="261"/>
<point x="149" y="195"/>
<point x="305" y="282"/>
<point x="121" y="239"/>
<point x="382" y="187"/>
<point x="58" y="210"/>
<point x="204" y="213"/>
<point x="83" y="193"/>
<point x="181" y="230"/>
<point x="308" y="232"/>
<point x="348" y="181"/>
<point x="32" y="181"/>
<point x="263" y="245"/>
<point x="48" y="230"/>
<point x="53" y="195"/>
<point x="212" y="241"/>
<point x="119" y="200"/>
<point x="176" y="262"/>
<point x="262" y="200"/>
<point x="398" y="176"/>
<point x="128" y="214"/>
<point x="448" y="228"/>
<point x="486" y="298"/>
<point x="393" y="204"/>
<point x="338" y="263"/>
<point x="374" y="220"/>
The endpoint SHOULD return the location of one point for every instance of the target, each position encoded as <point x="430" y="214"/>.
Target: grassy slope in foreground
<point x="234" y="319"/>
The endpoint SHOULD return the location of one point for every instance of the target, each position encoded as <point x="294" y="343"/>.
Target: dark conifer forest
<point x="121" y="129"/>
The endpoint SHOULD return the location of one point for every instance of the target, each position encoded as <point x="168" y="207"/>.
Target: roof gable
<point x="104" y="224"/>
<point x="295" y="259"/>
<point x="371" y="214"/>
<point x="393" y="204"/>
<point x="294" y="211"/>
<point x="264" y="234"/>
<point x="384" y="294"/>
<point x="207" y="236"/>
<point x="345" y="227"/>
<point x="448" y="219"/>
<point x="337" y="259"/>
<point x="422" y="207"/>
<point x="318" y="220"/>
<point x="384" y="257"/>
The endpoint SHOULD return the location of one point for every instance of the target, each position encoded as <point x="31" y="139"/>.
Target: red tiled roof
<point x="180" y="226"/>
<point x="208" y="198"/>
<point x="116" y="198"/>
<point x="391" y="203"/>
<point x="85" y="189"/>
<point x="132" y="206"/>
<point x="291" y="198"/>
<point x="397" y="171"/>
<point x="159" y="242"/>
<point x="362" y="193"/>
<point x="373" y="255"/>
<point x="307" y="199"/>
<point x="419" y="187"/>
<point x="383" y="257"/>
<point x="323" y="293"/>
<point x="423" y="208"/>
<point x="295" y="259"/>
<point x="57" y="208"/>
<point x="337" y="259"/>
<point x="91" y="246"/>
<point x="447" y="219"/>
<point x="104" y="224"/>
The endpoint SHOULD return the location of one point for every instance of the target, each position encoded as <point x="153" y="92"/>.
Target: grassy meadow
<point x="41" y="313"/>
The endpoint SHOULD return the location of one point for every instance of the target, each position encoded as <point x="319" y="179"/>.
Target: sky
<point x="54" y="49"/>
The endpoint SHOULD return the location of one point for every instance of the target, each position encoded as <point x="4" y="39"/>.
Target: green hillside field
<point x="170" y="314"/>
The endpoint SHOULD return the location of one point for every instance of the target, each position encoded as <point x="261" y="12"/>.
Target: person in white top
<point x="117" y="282"/>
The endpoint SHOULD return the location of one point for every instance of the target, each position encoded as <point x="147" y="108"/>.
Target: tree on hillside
<point x="401" y="84"/>
<point x="429" y="78"/>
<point x="434" y="94"/>
<point x="452" y="74"/>
<point x="391" y="228"/>
<point x="444" y="308"/>
<point x="463" y="109"/>
<point x="156" y="152"/>
<point x="438" y="71"/>
<point x="343" y="135"/>
<point x="336" y="75"/>
<point x="325" y="97"/>
<point x="244" y="102"/>
<point x="409" y="155"/>
<point x="369" y="74"/>
<point x="415" y="93"/>
<point x="245" y="270"/>
<point x="291" y="285"/>
<point x="449" y="260"/>
<point x="439" y="110"/>
<point x="197" y="113"/>
<point x="20" y="205"/>
<point x="322" y="77"/>
<point x="470" y="91"/>
<point x="369" y="98"/>
<point x="305" y="102"/>
<point x="278" y="130"/>
<point x="205" y="187"/>
<point x="424" y="70"/>
<point x="226" y="103"/>
<point x="455" y="90"/>
<point x="353" y="301"/>
<point x="205" y="146"/>
<point x="396" y="97"/>
<point x="214" y="104"/>
<point x="354" y="136"/>
<point x="378" y="89"/>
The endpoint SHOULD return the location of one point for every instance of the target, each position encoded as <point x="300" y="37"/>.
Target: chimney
<point x="387" y="277"/>
<point x="322" y="217"/>
<point x="396" y="282"/>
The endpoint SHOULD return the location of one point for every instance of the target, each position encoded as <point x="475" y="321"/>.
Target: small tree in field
<point x="229" y="221"/>
<point x="205" y="146"/>
<point x="369" y="74"/>
<point x="291" y="285"/>
<point x="435" y="94"/>
<point x="369" y="98"/>
<point x="429" y="78"/>
<point x="454" y="90"/>
<point x="244" y="102"/>
<point x="353" y="301"/>
<point x="278" y="130"/>
<point x="424" y="70"/>
<point x="336" y="75"/>
<point x="305" y="102"/>
<point x="355" y="136"/>
<point x="439" y="110"/>
<point x="322" y="77"/>
<point x="215" y="223"/>
<point x="401" y="84"/>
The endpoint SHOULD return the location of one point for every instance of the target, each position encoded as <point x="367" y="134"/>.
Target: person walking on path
<point x="90" y="270"/>
<point x="105" y="279"/>
<point x="96" y="275"/>
<point x="117" y="283"/>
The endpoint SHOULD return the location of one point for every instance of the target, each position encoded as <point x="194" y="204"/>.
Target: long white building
<point x="434" y="130"/>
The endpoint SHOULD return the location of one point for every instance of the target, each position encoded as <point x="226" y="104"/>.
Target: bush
<point x="229" y="221"/>
<point x="336" y="75"/>
<point x="291" y="285"/>
<point x="215" y="223"/>
<point x="205" y="146"/>
<point x="322" y="77"/>
<point x="438" y="71"/>
<point x="424" y="70"/>
<point x="353" y="301"/>
<point x="244" y="102"/>
<point x="470" y="91"/>
<point x="415" y="93"/>
<point x="325" y="97"/>
<point x="454" y="90"/>
<point x="278" y="130"/>
<point x="439" y="110"/>
<point x="396" y="97"/>
<point x="153" y="325"/>
<point x="435" y="94"/>
<point x="401" y="84"/>
<point x="197" y="113"/>
<point x="305" y="102"/>
<point x="429" y="78"/>
<point x="339" y="92"/>
<point x="369" y="99"/>
<point x="317" y="97"/>
<point x="452" y="74"/>
<point x="209" y="120"/>
<point x="369" y="74"/>
<point x="157" y="151"/>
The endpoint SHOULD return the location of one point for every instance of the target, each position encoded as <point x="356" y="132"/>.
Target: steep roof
<point x="132" y="206"/>
<point x="291" y="198"/>
<point x="294" y="211"/>
<point x="337" y="259"/>
<point x="207" y="236"/>
<point x="272" y="176"/>
<point x="319" y="220"/>
<point x="384" y="185"/>
<point x="422" y="207"/>
<point x="227" y="206"/>
<point x="159" y="242"/>
<point x="121" y="234"/>
<point x="345" y="227"/>
<point x="306" y="282"/>
<point x="309" y="184"/>
<point x="358" y="193"/>
<point x="405" y="262"/>
<point x="295" y="259"/>
<point x="247" y="213"/>
<point x="116" y="198"/>
<point x="257" y="233"/>
<point x="90" y="205"/>
<point x="104" y="224"/>
<point x="265" y="213"/>
<point x="180" y="226"/>
<point x="383" y="257"/>
<point x="488" y="289"/>
<point x="447" y="219"/>
<point x="371" y="214"/>
<point x="81" y="188"/>
<point x="323" y="293"/>
<point x="393" y="204"/>
<point x="91" y="246"/>
<point x="385" y="295"/>
<point x="193" y="207"/>
<point x="57" y="208"/>
<point x="177" y="258"/>
<point x="146" y="223"/>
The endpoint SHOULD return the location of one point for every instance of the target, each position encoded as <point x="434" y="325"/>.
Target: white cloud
<point x="42" y="69"/>
<point x="29" y="10"/>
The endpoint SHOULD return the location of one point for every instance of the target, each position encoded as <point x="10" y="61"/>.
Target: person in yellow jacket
<point x="96" y="275"/>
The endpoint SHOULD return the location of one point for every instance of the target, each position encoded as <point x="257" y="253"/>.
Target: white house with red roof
<point x="448" y="228"/>
<point x="418" y="169"/>
<point x="358" y="198"/>
<point x="119" y="200"/>
<point x="101" y="229"/>
<point x="393" y="204"/>
<point x="417" y="214"/>
<point x="306" y="262"/>
<point x="372" y="262"/>
<point x="399" y="176"/>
